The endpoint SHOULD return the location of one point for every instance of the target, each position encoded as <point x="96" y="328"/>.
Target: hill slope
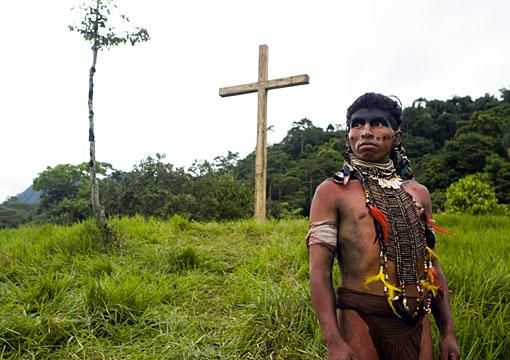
<point x="238" y="290"/>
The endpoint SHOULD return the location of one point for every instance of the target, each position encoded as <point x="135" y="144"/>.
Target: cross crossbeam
<point x="270" y="85"/>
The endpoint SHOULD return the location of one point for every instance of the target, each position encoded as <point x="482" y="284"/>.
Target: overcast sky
<point x="162" y="96"/>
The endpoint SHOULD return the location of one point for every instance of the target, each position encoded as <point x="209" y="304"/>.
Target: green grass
<point x="238" y="290"/>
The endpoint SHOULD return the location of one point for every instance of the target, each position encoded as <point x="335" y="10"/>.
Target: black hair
<point x="377" y="101"/>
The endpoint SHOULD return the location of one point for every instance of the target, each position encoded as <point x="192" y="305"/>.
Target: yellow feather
<point x="391" y="288"/>
<point x="371" y="279"/>
<point x="430" y="287"/>
<point x="391" y="294"/>
<point x="390" y="302"/>
<point x="432" y="254"/>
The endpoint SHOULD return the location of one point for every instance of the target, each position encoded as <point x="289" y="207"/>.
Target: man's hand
<point x="449" y="348"/>
<point x="341" y="351"/>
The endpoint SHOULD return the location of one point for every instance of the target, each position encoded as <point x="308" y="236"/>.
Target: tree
<point x="505" y="95"/>
<point x="97" y="29"/>
<point x="303" y="132"/>
<point x="63" y="193"/>
<point x="13" y="212"/>
<point x="498" y="169"/>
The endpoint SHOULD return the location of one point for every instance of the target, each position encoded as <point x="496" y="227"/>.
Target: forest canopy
<point x="445" y="140"/>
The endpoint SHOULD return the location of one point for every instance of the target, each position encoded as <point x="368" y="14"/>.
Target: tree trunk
<point x="97" y="209"/>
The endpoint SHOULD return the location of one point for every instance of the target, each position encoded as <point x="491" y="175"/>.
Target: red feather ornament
<point x="433" y="225"/>
<point x="435" y="280"/>
<point x="383" y="221"/>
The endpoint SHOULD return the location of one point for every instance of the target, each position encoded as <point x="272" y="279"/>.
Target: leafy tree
<point x="505" y="138"/>
<point x="435" y="172"/>
<point x="145" y="190"/>
<point x="471" y="195"/>
<point x="491" y="123"/>
<point x="97" y="29"/>
<point x="461" y="106"/>
<point x="14" y="213"/>
<point x="303" y="132"/>
<point x="417" y="146"/>
<point x="58" y="183"/>
<point x="221" y="196"/>
<point x="485" y="102"/>
<point x="467" y="152"/>
<point x="505" y="95"/>
<point x="63" y="193"/>
<point x="226" y="163"/>
<point x="498" y="169"/>
<point x="431" y="122"/>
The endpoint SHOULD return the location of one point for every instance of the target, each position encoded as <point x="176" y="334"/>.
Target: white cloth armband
<point x="323" y="233"/>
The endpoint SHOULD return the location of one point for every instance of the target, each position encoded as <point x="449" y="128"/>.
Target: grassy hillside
<point x="239" y="290"/>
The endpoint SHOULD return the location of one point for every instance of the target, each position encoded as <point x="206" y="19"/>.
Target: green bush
<point x="472" y="195"/>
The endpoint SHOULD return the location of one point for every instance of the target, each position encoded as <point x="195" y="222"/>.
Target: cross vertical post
<point x="261" y="150"/>
<point x="262" y="87"/>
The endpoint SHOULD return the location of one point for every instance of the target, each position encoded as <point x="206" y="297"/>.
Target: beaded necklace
<point x="401" y="233"/>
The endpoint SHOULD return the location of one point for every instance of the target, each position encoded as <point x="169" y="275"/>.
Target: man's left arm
<point x="441" y="308"/>
<point x="442" y="312"/>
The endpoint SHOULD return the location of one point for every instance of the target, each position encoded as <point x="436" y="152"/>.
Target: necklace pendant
<point x="393" y="183"/>
<point x="396" y="183"/>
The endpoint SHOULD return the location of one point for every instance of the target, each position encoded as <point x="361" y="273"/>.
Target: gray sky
<point x="162" y="96"/>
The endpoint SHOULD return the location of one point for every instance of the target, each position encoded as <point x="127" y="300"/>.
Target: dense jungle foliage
<point x="446" y="141"/>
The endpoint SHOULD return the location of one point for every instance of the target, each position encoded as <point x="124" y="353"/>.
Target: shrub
<point x="472" y="195"/>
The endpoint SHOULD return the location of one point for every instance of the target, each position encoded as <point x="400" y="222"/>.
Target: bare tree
<point x="98" y="27"/>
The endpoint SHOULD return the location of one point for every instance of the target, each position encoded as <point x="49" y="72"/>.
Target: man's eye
<point x="356" y="124"/>
<point x="379" y="123"/>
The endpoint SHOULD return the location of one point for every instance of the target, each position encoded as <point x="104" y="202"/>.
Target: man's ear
<point x="347" y="143"/>
<point x="398" y="138"/>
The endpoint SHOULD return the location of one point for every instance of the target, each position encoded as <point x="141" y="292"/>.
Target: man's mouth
<point x="367" y="144"/>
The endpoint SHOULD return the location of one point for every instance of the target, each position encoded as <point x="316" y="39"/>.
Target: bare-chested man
<point x="378" y="223"/>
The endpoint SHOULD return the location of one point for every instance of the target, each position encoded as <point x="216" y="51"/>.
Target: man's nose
<point x="366" y="131"/>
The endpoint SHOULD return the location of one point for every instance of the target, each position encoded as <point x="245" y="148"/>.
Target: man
<point x="377" y="221"/>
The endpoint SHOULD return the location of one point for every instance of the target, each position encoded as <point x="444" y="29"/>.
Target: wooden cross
<point x="262" y="86"/>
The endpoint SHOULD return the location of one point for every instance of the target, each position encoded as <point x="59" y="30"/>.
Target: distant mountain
<point x="29" y="196"/>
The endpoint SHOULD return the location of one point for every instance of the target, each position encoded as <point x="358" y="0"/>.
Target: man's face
<point x="371" y="136"/>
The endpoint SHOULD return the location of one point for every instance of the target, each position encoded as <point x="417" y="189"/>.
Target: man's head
<point x="380" y="102"/>
<point x="373" y="122"/>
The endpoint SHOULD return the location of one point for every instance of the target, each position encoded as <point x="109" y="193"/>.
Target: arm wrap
<point x="324" y="233"/>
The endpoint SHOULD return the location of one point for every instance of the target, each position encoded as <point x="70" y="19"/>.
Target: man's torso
<point x="358" y="247"/>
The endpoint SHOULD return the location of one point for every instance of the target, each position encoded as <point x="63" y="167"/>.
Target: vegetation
<point x="179" y="289"/>
<point x="446" y="141"/>
<point x="472" y="195"/>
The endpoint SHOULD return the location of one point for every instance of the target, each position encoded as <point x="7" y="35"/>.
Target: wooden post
<point x="262" y="86"/>
<point x="261" y="149"/>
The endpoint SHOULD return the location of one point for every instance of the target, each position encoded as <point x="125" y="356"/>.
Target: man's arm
<point x="441" y="308"/>
<point x="442" y="312"/>
<point x="321" y="286"/>
<point x="323" y="302"/>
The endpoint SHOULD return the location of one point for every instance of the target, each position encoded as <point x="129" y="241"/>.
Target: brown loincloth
<point x="393" y="338"/>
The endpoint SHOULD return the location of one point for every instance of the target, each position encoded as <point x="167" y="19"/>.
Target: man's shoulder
<point x="333" y="189"/>
<point x="419" y="193"/>
<point x="331" y="198"/>
<point x="415" y="186"/>
<point x="331" y="185"/>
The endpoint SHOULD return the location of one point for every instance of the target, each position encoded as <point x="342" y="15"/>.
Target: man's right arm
<point x="321" y="286"/>
<point x="323" y="301"/>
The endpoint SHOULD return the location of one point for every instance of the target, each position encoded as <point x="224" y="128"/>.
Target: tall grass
<point x="178" y="289"/>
